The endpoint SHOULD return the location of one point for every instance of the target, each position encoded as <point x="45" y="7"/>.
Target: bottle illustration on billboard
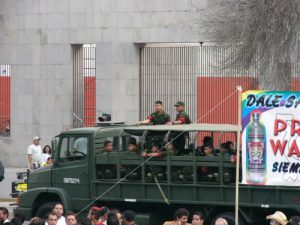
<point x="256" y="150"/>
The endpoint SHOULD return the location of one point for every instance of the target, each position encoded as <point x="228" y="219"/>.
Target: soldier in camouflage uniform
<point x="182" y="117"/>
<point x="157" y="117"/>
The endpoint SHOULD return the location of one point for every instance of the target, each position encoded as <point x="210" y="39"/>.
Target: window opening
<point x="84" y="85"/>
<point x="5" y="73"/>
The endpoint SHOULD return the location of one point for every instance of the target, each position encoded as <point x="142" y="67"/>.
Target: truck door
<point x="70" y="170"/>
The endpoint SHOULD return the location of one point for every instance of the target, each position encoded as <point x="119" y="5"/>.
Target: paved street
<point x="5" y="187"/>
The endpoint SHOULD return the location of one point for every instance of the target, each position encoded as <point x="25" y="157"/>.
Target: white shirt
<point x="61" y="221"/>
<point x="44" y="157"/>
<point x="36" y="152"/>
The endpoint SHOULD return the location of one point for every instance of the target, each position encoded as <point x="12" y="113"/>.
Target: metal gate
<point x="172" y="72"/>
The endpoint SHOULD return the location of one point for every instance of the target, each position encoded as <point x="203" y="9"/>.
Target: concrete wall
<point x="36" y="38"/>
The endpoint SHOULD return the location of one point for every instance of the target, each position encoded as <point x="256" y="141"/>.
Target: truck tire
<point x="229" y="217"/>
<point x="44" y="209"/>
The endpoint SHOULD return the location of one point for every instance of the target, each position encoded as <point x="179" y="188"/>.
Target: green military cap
<point x="179" y="103"/>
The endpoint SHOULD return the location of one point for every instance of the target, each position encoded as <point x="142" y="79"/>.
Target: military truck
<point x="84" y="173"/>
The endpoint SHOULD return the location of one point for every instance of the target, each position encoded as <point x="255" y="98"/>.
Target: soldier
<point x="108" y="147"/>
<point x="132" y="146"/>
<point x="157" y="117"/>
<point x="182" y="117"/>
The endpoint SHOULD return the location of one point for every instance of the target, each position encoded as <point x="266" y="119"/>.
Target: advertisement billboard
<point x="270" y="138"/>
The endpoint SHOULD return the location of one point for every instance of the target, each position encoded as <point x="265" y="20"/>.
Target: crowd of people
<point x="96" y="216"/>
<point x="105" y="216"/>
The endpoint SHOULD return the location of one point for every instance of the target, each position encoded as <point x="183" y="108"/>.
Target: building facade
<point x="40" y="40"/>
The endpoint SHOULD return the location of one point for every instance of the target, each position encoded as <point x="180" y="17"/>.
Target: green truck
<point x="84" y="173"/>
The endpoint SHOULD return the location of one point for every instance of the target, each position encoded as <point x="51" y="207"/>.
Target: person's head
<point x="47" y="149"/>
<point x="108" y="146"/>
<point x="132" y="147"/>
<point x="278" y="218"/>
<point x="170" y="146"/>
<point x="198" y="218"/>
<point x="36" y="140"/>
<point x="119" y="215"/>
<point x="221" y="221"/>
<point x="52" y="218"/>
<point x="155" y="147"/>
<point x="230" y="144"/>
<point x="112" y="218"/>
<point x="94" y="213"/>
<point x="71" y="218"/>
<point x="182" y="215"/>
<point x="180" y="106"/>
<point x="158" y="106"/>
<point x="104" y="213"/>
<point x="294" y="220"/>
<point x="224" y="148"/>
<point x="208" y="149"/>
<point x="37" y="221"/>
<point x="58" y="209"/>
<point x="49" y="161"/>
<point x="208" y="140"/>
<point x="129" y="216"/>
<point x="3" y="214"/>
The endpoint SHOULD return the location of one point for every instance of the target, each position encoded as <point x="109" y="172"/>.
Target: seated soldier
<point x="209" y="150"/>
<point x="155" y="171"/>
<point x="107" y="171"/>
<point x="108" y="147"/>
<point x="156" y="151"/>
<point x="130" y="170"/>
<point x="208" y="140"/>
<point x="232" y="150"/>
<point x="224" y="150"/>
<point x="209" y="173"/>
<point x="170" y="149"/>
<point x="199" y="151"/>
<point x="132" y="146"/>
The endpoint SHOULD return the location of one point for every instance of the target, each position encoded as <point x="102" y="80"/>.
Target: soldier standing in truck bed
<point x="157" y="117"/>
<point x="182" y="117"/>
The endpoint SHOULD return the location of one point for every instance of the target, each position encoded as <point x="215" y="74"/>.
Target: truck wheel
<point x="44" y="209"/>
<point x="229" y="217"/>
